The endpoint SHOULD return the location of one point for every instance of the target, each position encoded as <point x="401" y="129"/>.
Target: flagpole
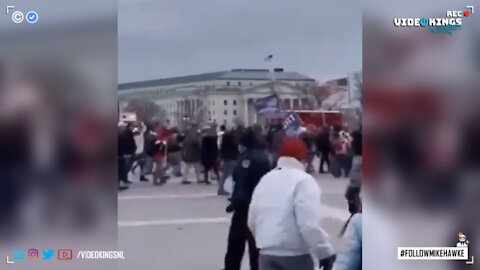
<point x="349" y="90"/>
<point x="272" y="75"/>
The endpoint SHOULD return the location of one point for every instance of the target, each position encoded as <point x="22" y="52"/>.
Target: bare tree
<point x="319" y="92"/>
<point x="357" y="82"/>
<point x="146" y="110"/>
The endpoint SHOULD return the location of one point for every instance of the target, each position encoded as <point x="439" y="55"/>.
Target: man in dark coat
<point x="191" y="153"/>
<point x="121" y="159"/>
<point x="209" y="152"/>
<point x="309" y="141"/>
<point x="274" y="140"/>
<point x="252" y="165"/>
<point x="130" y="148"/>
<point x="149" y="149"/>
<point x="260" y="136"/>
<point x="174" y="155"/>
<point x="229" y="155"/>
<point x="324" y="148"/>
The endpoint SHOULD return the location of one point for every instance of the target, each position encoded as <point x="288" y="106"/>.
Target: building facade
<point x="220" y="97"/>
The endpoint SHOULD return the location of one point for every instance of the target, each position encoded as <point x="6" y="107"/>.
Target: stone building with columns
<point x="221" y="97"/>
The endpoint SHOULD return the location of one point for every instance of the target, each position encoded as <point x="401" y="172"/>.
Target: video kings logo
<point x="452" y="21"/>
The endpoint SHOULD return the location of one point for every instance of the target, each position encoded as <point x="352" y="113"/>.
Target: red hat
<point x="293" y="147"/>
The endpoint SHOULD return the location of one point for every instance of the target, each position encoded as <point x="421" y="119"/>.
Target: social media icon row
<point x="30" y="17"/>
<point x="34" y="254"/>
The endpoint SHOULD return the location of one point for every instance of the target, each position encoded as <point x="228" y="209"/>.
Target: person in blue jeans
<point x="351" y="257"/>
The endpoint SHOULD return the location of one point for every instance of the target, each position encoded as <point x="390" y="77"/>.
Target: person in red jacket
<point x="159" y="176"/>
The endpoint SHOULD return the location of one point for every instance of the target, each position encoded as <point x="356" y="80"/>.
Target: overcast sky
<point x="165" y="38"/>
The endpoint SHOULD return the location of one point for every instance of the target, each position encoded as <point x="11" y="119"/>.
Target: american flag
<point x="269" y="58"/>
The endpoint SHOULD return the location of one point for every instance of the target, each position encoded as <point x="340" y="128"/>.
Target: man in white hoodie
<point x="284" y="215"/>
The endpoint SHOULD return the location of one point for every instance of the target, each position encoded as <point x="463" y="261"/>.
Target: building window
<point x="235" y="102"/>
<point x="234" y="112"/>
<point x="225" y="122"/>
<point x="225" y="112"/>
<point x="225" y="102"/>
<point x="228" y="83"/>
<point x="213" y="103"/>
<point x="251" y="83"/>
<point x="209" y="113"/>
<point x="239" y="83"/>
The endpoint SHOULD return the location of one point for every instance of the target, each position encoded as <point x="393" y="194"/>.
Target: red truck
<point x="320" y="118"/>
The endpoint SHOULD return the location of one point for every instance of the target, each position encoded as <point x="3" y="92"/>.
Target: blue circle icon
<point x="32" y="17"/>
<point x="423" y="22"/>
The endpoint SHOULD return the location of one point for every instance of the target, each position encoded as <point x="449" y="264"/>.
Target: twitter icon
<point x="48" y="254"/>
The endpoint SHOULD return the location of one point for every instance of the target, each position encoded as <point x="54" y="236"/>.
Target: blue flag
<point x="291" y="124"/>
<point x="268" y="105"/>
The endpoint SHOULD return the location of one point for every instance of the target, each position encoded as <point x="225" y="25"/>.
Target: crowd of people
<point x="275" y="199"/>
<point x="210" y="152"/>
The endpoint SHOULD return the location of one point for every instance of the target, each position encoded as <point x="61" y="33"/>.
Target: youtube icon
<point x="65" y="254"/>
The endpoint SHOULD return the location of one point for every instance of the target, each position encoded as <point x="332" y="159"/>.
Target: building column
<point x="286" y="104"/>
<point x="255" y="116"/>
<point x="190" y="108"/>
<point x="194" y="107"/>
<point x="295" y="104"/>
<point x="245" y="102"/>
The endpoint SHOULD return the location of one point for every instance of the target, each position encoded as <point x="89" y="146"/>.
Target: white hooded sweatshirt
<point x="284" y="214"/>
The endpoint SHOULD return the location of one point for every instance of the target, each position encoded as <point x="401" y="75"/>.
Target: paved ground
<point x="176" y="227"/>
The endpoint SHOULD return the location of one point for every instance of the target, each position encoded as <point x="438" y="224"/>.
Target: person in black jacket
<point x="149" y="149"/>
<point x="121" y="159"/>
<point x="130" y="146"/>
<point x="260" y="137"/>
<point x="324" y="148"/>
<point x="209" y="152"/>
<point x="252" y="165"/>
<point x="309" y="141"/>
<point x="191" y="154"/>
<point x="274" y="140"/>
<point x="228" y="154"/>
<point x="174" y="153"/>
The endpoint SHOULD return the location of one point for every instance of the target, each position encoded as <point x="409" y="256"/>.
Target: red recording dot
<point x="466" y="13"/>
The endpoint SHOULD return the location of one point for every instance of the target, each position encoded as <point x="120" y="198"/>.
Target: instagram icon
<point x="33" y="254"/>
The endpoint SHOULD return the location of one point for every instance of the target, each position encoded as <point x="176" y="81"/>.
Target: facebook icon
<point x="18" y="254"/>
